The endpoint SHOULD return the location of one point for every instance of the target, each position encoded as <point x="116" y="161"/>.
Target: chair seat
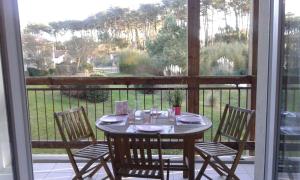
<point x="215" y="149"/>
<point x="140" y="172"/>
<point x="94" y="151"/>
<point x="147" y="171"/>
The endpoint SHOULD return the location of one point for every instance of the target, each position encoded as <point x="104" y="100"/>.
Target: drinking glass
<point x="146" y="118"/>
<point x="138" y="115"/>
<point x="154" y="112"/>
<point x="131" y="116"/>
<point x="171" y="114"/>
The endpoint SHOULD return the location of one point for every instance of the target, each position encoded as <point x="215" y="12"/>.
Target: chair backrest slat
<point x="134" y="150"/>
<point x="74" y="125"/>
<point x="241" y="126"/>
<point x="235" y="123"/>
<point x="77" y="124"/>
<point x="89" y="130"/>
<point x="227" y="120"/>
<point x="81" y="123"/>
<point x="237" y="128"/>
<point x="127" y="153"/>
<point x="67" y="126"/>
<point x="140" y="148"/>
<point x="149" y="153"/>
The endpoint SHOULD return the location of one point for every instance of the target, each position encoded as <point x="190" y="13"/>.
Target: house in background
<point x="58" y="56"/>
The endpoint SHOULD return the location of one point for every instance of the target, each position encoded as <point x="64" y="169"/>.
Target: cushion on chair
<point x="215" y="149"/>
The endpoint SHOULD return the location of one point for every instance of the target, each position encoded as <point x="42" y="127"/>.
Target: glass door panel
<point x="288" y="154"/>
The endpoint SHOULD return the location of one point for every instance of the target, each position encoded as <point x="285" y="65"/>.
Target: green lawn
<point x="42" y="104"/>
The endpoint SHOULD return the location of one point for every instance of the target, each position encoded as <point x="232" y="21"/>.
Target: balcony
<point x="48" y="95"/>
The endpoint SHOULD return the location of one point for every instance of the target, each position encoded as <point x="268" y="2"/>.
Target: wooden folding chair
<point x="74" y="127"/>
<point x="134" y="155"/>
<point x="235" y="125"/>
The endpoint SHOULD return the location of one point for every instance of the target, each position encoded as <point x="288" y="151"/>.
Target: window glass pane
<point x="111" y="38"/>
<point x="288" y="161"/>
<point x="224" y="37"/>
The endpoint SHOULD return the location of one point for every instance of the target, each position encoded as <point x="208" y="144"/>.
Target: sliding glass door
<point x="288" y="132"/>
<point x="15" y="154"/>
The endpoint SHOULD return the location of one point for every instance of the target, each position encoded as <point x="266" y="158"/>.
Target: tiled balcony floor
<point x="64" y="171"/>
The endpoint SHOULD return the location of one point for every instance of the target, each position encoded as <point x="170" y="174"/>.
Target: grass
<point x="42" y="104"/>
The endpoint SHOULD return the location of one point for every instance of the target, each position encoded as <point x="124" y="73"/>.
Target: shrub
<point x="85" y="66"/>
<point x="51" y="71"/>
<point x="95" y="94"/>
<point x="235" y="52"/>
<point x="66" y="69"/>
<point x="211" y="101"/>
<point x="36" y="72"/>
<point x="134" y="62"/>
<point x="147" y="86"/>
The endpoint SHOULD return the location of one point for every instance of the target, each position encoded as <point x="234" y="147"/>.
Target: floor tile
<point x="43" y="167"/>
<point x="59" y="175"/>
<point x="59" y="171"/>
<point x="39" y="176"/>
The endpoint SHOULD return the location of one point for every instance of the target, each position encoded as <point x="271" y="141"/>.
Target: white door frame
<point x="14" y="84"/>
<point x="267" y="89"/>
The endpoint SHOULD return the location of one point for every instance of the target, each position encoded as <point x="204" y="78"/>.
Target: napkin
<point x="121" y="107"/>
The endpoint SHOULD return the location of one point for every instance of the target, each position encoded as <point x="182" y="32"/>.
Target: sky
<point x="45" y="11"/>
<point x="293" y="6"/>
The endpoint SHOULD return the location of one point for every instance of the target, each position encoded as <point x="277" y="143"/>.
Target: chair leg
<point x="168" y="169"/>
<point x="118" y="177"/>
<point x="216" y="168"/>
<point x="229" y="171"/>
<point x="211" y="164"/>
<point x="77" y="177"/>
<point x="106" y="168"/>
<point x="232" y="177"/>
<point x="204" y="166"/>
<point x="95" y="170"/>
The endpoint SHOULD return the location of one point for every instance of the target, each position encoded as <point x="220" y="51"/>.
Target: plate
<point x="112" y="118"/>
<point x="190" y="119"/>
<point x="156" y="113"/>
<point x="148" y="128"/>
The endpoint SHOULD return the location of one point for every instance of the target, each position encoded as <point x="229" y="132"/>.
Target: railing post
<point x="193" y="53"/>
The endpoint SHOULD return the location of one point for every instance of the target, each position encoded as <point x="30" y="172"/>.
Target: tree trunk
<point x="225" y="18"/>
<point x="206" y="30"/>
<point x="212" y="26"/>
<point x="237" y="29"/>
<point x="137" y="41"/>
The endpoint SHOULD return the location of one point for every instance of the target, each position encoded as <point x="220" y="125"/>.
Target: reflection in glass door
<point x="288" y="154"/>
<point x="6" y="171"/>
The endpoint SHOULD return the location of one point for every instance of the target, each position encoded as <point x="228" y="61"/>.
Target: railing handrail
<point x="132" y="89"/>
<point x="140" y="80"/>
